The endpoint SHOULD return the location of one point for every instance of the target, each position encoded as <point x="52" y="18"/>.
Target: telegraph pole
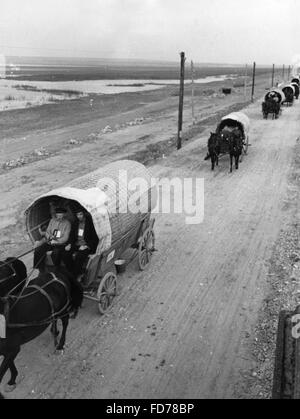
<point x="253" y="82"/>
<point x="273" y="75"/>
<point x="181" y="97"/>
<point x="283" y="72"/>
<point x="193" y="92"/>
<point x="245" y="86"/>
<point x="289" y="73"/>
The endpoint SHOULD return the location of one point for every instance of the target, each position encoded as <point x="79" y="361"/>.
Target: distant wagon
<point x="289" y="91"/>
<point x="240" y="121"/>
<point x="297" y="89"/>
<point x="226" y="91"/>
<point x="231" y="137"/>
<point x="121" y="217"/>
<point x="272" y="103"/>
<point x="296" y="80"/>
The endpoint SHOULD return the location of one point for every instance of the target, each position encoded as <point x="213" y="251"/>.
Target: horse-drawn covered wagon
<point x="272" y="103"/>
<point x="119" y="199"/>
<point x="297" y="89"/>
<point x="231" y="137"/>
<point x="289" y="91"/>
<point x="296" y="79"/>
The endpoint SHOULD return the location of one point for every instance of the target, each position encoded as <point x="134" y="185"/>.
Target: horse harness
<point x="40" y="289"/>
<point x="14" y="272"/>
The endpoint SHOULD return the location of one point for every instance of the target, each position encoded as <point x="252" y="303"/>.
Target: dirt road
<point x="184" y="327"/>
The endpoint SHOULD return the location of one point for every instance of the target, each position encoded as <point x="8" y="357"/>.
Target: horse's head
<point x="5" y="275"/>
<point x="213" y="135"/>
<point x="214" y="138"/>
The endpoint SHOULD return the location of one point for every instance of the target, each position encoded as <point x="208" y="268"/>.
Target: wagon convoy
<point x="122" y="220"/>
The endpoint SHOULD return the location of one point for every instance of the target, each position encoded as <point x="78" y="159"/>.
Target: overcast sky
<point x="221" y="31"/>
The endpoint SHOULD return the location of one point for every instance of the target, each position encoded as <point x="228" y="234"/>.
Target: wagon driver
<point x="54" y="240"/>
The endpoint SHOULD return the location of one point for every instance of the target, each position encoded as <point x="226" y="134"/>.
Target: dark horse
<point x="272" y="107"/>
<point x="49" y="297"/>
<point x="225" y="142"/>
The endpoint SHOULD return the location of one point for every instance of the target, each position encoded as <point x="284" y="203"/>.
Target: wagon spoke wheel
<point x="106" y="292"/>
<point x="146" y="248"/>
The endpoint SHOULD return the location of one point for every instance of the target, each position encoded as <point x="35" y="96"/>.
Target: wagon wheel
<point x="146" y="248"/>
<point x="106" y="292"/>
<point x="246" y="145"/>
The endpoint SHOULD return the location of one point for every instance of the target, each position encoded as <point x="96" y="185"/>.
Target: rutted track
<point x="179" y="329"/>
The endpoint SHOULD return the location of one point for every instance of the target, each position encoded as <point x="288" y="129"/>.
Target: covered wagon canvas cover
<point x="288" y="87"/>
<point x="105" y="195"/>
<point x="279" y="93"/>
<point x="236" y="119"/>
<point x="296" y="87"/>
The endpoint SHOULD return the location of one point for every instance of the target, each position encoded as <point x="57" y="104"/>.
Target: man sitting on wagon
<point x="84" y="242"/>
<point x="55" y="239"/>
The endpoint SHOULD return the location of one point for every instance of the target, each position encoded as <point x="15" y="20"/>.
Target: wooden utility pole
<point x="245" y="86"/>
<point x="289" y="74"/>
<point x="283" y="72"/>
<point x="253" y="82"/>
<point x="273" y="75"/>
<point x="181" y="97"/>
<point x="193" y="93"/>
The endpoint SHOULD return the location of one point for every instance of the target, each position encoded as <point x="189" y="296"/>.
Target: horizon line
<point x="141" y="60"/>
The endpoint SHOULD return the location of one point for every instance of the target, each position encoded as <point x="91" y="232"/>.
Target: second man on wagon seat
<point x="84" y="242"/>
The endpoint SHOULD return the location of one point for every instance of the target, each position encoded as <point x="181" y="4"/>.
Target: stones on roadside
<point x="107" y="130"/>
<point x="23" y="160"/>
<point x="295" y="257"/>
<point x="11" y="164"/>
<point x="137" y="121"/>
<point x="74" y="142"/>
<point x="41" y="152"/>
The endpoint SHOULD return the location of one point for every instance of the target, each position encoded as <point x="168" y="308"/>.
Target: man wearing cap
<point x="84" y="241"/>
<point x="55" y="238"/>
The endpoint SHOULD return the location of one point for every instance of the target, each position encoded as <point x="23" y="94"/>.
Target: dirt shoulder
<point x="283" y="284"/>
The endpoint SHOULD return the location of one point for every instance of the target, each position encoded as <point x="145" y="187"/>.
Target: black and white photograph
<point x="149" y="202"/>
